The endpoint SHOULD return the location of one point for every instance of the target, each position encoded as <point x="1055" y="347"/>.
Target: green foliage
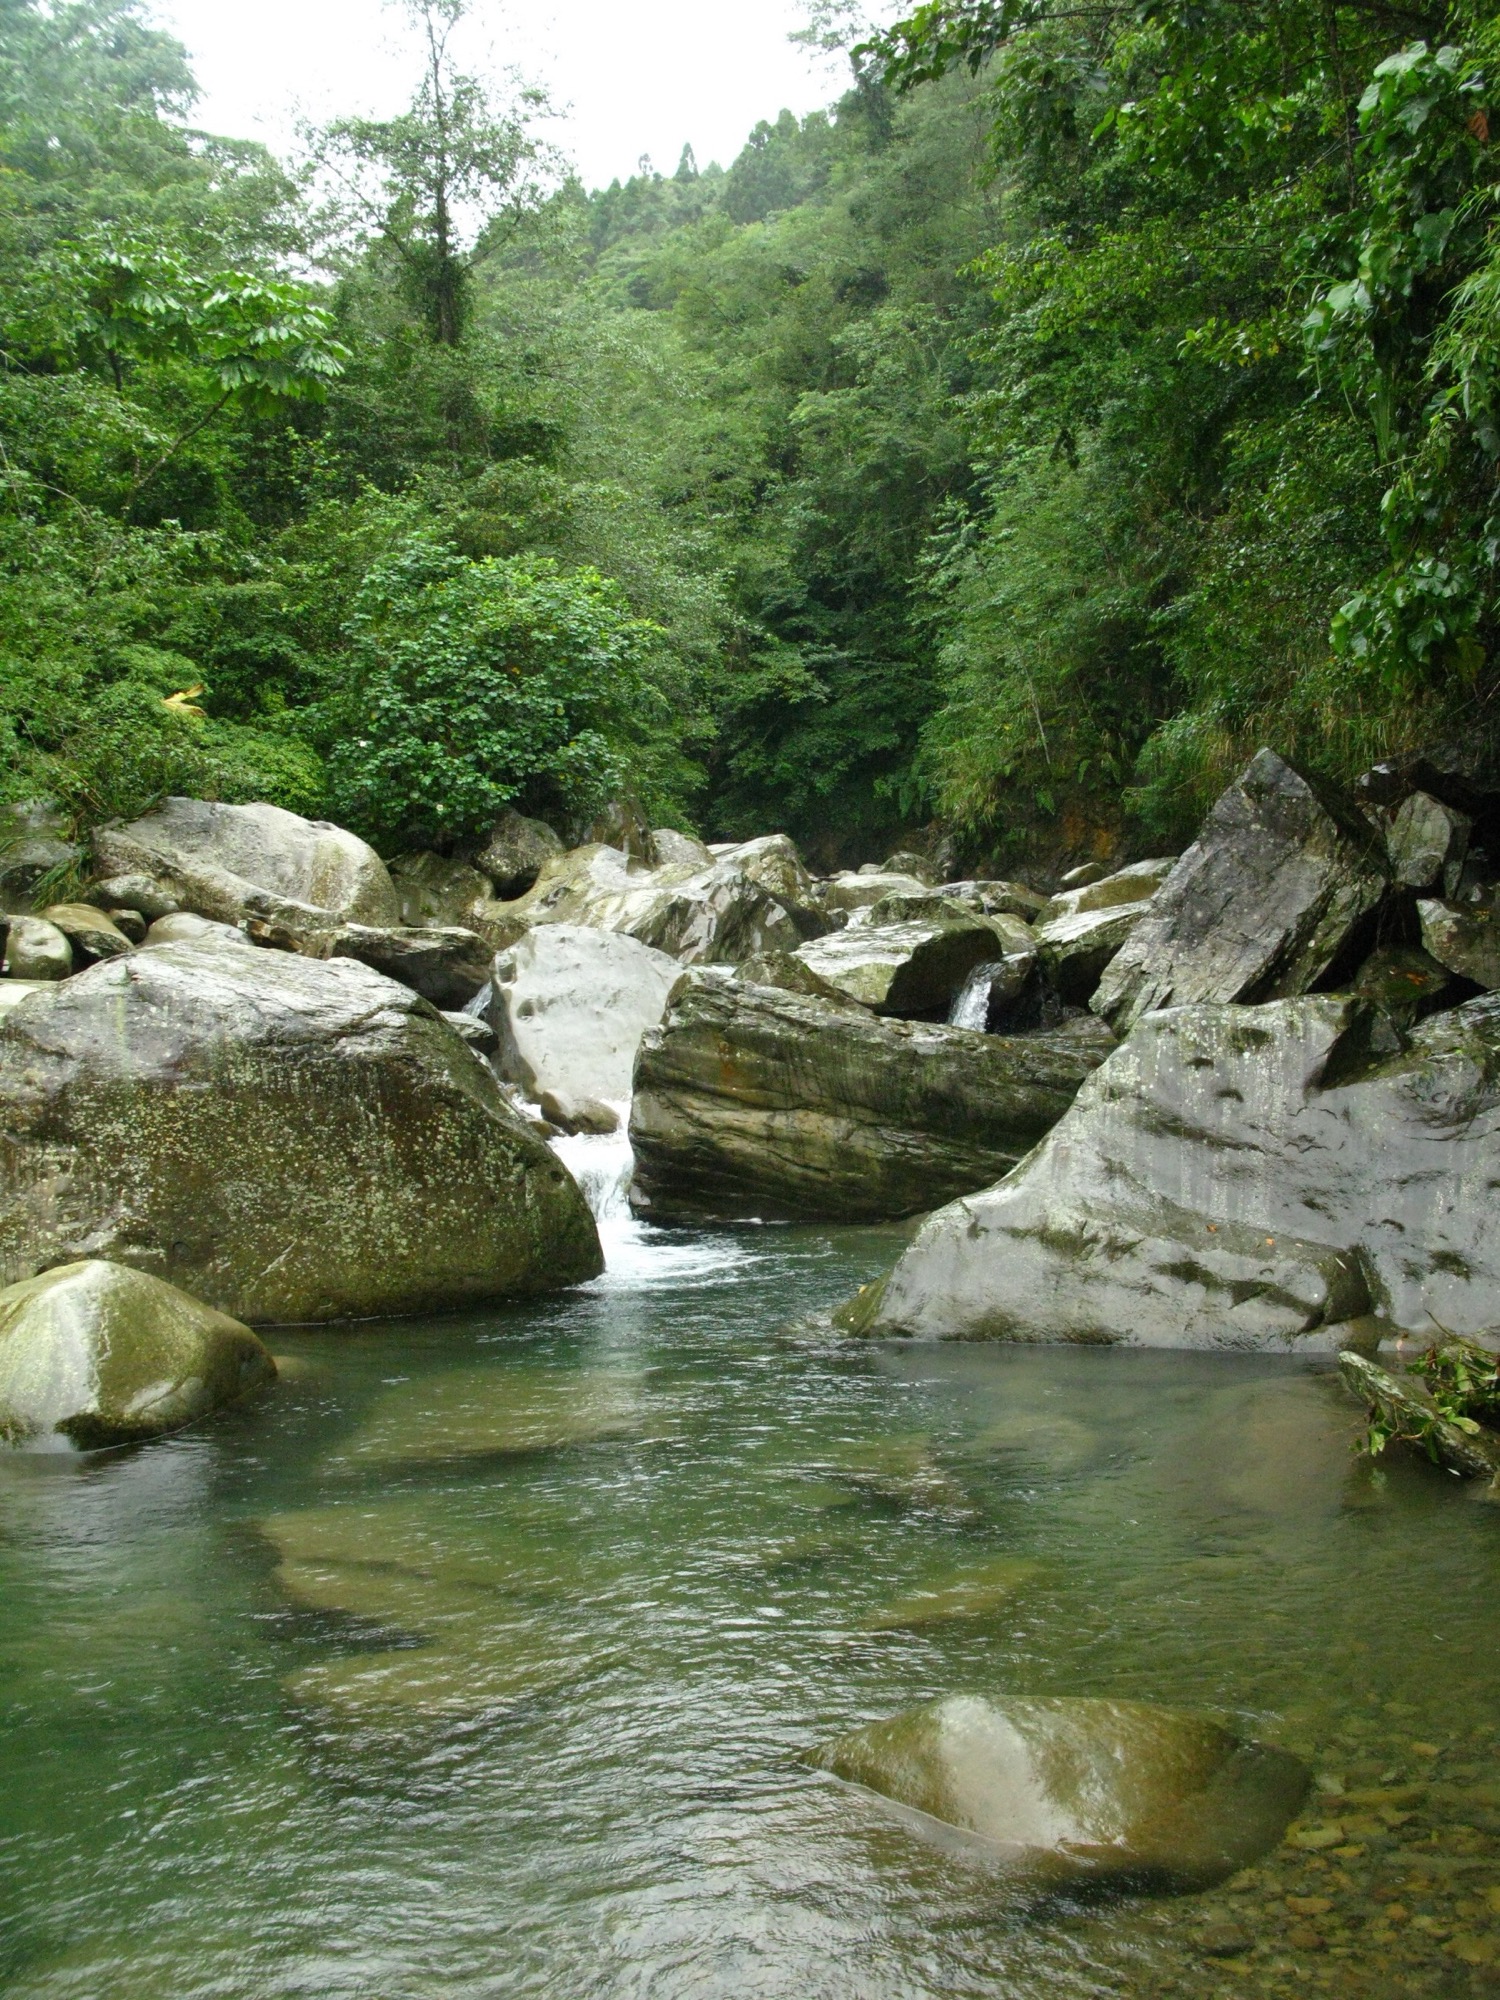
<point x="1463" y="1382"/>
<point x="472" y="685"/>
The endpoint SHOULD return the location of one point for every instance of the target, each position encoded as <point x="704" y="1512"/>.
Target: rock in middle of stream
<point x="1116" y="1793"/>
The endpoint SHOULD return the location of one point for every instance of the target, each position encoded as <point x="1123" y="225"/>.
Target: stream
<point x="477" y="1660"/>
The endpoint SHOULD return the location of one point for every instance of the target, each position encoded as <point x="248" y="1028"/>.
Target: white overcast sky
<point x="643" y="77"/>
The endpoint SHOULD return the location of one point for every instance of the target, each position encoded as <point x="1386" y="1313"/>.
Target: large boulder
<point x="35" y="949"/>
<point x="1464" y="939"/>
<point x="844" y="895"/>
<point x="1080" y="930"/>
<point x="92" y="933"/>
<point x="287" y="1139"/>
<point x="1259" y="907"/>
<point x="516" y="852"/>
<point x="570" y="1008"/>
<point x="104" y="1355"/>
<point x="752" y="1101"/>
<point x="448" y="966"/>
<point x="1117" y="1793"/>
<point x="436" y="889"/>
<point x="774" y="862"/>
<point x="237" y="862"/>
<point x="717" y="915"/>
<point x="1236" y="1177"/>
<point x="906" y="969"/>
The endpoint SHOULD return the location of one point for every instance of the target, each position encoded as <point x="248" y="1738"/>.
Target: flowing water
<point x="477" y="1660"/>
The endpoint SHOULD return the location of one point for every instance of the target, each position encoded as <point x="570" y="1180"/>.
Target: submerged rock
<point x="255" y="861"/>
<point x="498" y="1412"/>
<point x="287" y="1139"/>
<point x="1120" y="1794"/>
<point x="1258" y="908"/>
<point x="757" y="1102"/>
<point x="905" y="969"/>
<point x="969" y="1596"/>
<point x="107" y="1356"/>
<point x="570" y="1008"/>
<point x="1234" y="1177"/>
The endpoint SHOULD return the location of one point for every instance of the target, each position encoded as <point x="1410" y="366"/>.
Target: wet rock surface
<point x="752" y="1101"/>
<point x="285" y="1139"/>
<point x="1259" y="907"/>
<point x="906" y="969"/>
<point x="1234" y="1177"/>
<point x="102" y="1355"/>
<point x="1096" y="1791"/>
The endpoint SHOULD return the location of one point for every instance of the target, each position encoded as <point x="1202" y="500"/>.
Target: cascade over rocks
<point x="104" y="1355"/>
<point x="1113" y="1792"/>
<point x="570" y="1008"/>
<point x="239" y="862"/>
<point x="1241" y="1178"/>
<point x="1258" y="908"/>
<point x="751" y="1101"/>
<point x="286" y="1139"/>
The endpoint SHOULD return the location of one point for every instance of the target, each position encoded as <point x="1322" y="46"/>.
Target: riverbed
<point x="478" y="1659"/>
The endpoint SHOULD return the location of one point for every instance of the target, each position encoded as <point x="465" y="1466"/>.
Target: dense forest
<point x="1093" y="393"/>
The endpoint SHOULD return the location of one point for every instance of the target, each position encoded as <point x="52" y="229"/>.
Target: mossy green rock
<point x="1118" y="1793"/>
<point x="104" y="1355"/>
<point x="286" y="1138"/>
<point x="752" y="1101"/>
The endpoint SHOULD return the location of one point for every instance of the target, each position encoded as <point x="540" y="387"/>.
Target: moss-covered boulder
<point x="1117" y="1793"/>
<point x="104" y="1355"/>
<point x="286" y="1138"/>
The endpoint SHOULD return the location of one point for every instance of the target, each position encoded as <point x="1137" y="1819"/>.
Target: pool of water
<point x="478" y="1658"/>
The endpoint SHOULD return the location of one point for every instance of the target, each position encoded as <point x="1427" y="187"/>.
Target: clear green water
<point x="476" y="1661"/>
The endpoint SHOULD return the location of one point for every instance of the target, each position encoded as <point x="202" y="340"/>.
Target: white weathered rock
<point x="774" y="862"/>
<point x="104" y="1355"/>
<point x="570" y="1008"/>
<point x="255" y="861"/>
<point x="1259" y="906"/>
<point x="1235" y="1177"/>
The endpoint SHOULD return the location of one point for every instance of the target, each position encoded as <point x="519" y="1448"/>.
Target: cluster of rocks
<point x="1297" y="1141"/>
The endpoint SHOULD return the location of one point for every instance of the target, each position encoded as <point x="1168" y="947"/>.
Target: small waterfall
<point x="479" y="1006"/>
<point x="637" y="1256"/>
<point x="972" y="1007"/>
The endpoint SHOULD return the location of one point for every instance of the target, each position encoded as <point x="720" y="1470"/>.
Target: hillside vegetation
<point x="1092" y="394"/>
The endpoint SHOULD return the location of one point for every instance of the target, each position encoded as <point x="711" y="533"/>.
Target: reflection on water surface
<point x="477" y="1661"/>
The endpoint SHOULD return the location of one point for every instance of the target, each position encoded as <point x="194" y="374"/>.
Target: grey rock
<point x="436" y="889"/>
<point x="906" y="862"/>
<point x="133" y="892"/>
<point x="1426" y="843"/>
<point x="865" y="887"/>
<point x="130" y="924"/>
<point x="92" y="934"/>
<point x="104" y="1355"/>
<point x="1080" y="878"/>
<point x="670" y="849"/>
<point x="774" y="863"/>
<point x="446" y="966"/>
<point x="14" y="991"/>
<point x="1260" y="905"/>
<point x="1465" y="939"/>
<point x="516" y="852"/>
<point x="1403" y="984"/>
<point x="1110" y="1792"/>
<point x="1240" y="1178"/>
<point x="35" y="949"/>
<point x="579" y="1114"/>
<point x="479" y="1035"/>
<point x="750" y="1101"/>
<point x="184" y="928"/>
<point x="237" y="862"/>
<point x="1131" y="887"/>
<point x="717" y="915"/>
<point x="285" y="1139"/>
<point x="570" y="1008"/>
<point x="791" y="974"/>
<point x="996" y="899"/>
<point x="905" y="969"/>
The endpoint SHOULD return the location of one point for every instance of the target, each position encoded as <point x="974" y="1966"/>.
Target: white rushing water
<point x="637" y="1256"/>
<point x="972" y="1007"/>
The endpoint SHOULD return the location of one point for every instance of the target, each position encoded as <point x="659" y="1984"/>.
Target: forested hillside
<point x="1090" y="396"/>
